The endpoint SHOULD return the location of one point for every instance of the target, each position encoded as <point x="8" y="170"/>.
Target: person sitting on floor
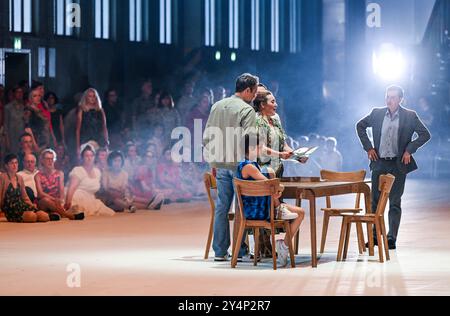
<point x="144" y="185"/>
<point x="257" y="208"/>
<point x="14" y="201"/>
<point x="28" y="173"/>
<point x="169" y="179"/>
<point x="50" y="187"/>
<point x="115" y="186"/>
<point x="84" y="183"/>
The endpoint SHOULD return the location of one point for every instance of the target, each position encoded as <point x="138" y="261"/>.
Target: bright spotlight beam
<point x="388" y="64"/>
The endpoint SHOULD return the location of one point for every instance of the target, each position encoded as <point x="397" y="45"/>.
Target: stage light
<point x="233" y="57"/>
<point x="388" y="63"/>
<point x="218" y="55"/>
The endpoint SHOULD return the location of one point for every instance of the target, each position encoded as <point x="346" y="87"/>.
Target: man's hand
<point x="406" y="158"/>
<point x="373" y="156"/>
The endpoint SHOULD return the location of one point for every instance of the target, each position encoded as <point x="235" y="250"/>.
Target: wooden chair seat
<point x="342" y="210"/>
<point x="329" y="211"/>
<point x="363" y="218"/>
<point x="264" y="224"/>
<point x="260" y="189"/>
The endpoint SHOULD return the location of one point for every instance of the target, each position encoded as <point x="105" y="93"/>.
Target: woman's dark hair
<point x="9" y="158"/>
<point x="163" y="96"/>
<point x="260" y="99"/>
<point x="113" y="156"/>
<point x="51" y="94"/>
<point x="250" y="141"/>
<point x="246" y="81"/>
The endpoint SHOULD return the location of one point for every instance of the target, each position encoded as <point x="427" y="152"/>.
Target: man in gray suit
<point x="393" y="128"/>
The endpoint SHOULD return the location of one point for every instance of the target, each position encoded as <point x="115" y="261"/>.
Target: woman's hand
<point x="286" y="154"/>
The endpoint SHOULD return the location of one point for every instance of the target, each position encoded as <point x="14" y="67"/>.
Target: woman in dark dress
<point x="91" y="121"/>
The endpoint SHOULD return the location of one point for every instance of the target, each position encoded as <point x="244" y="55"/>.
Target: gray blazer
<point x="409" y="124"/>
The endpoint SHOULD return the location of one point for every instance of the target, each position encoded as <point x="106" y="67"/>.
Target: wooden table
<point x="312" y="188"/>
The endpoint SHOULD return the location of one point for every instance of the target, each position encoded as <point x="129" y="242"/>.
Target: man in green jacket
<point x="229" y="121"/>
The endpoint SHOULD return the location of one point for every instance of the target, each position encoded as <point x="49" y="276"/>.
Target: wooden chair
<point x="377" y="219"/>
<point x="329" y="211"/>
<point x="210" y="186"/>
<point x="260" y="189"/>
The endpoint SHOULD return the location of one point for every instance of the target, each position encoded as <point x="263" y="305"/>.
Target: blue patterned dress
<point x="255" y="207"/>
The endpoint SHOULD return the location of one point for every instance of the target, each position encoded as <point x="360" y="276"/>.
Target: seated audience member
<point x="169" y="179"/>
<point x="84" y="183"/>
<point x="144" y="185"/>
<point x="62" y="161"/>
<point x="14" y="201"/>
<point x="257" y="208"/>
<point x="27" y="146"/>
<point x="332" y="158"/>
<point x="50" y="187"/>
<point x="132" y="160"/>
<point x="101" y="159"/>
<point x="158" y="140"/>
<point x="115" y="186"/>
<point x="28" y="173"/>
<point x="192" y="179"/>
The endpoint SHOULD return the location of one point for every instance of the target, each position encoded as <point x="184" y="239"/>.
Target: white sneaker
<point x="285" y="214"/>
<point x="283" y="253"/>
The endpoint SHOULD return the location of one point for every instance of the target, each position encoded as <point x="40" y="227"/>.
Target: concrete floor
<point x="160" y="253"/>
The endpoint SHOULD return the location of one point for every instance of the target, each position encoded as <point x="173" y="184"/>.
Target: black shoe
<point x="79" y="217"/>
<point x="375" y="243"/>
<point x="54" y="217"/>
<point x="391" y="244"/>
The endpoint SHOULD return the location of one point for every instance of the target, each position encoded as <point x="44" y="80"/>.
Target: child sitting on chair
<point x="258" y="208"/>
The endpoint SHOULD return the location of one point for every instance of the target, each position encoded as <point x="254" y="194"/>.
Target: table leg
<point x="297" y="236"/>
<point x="312" y="211"/>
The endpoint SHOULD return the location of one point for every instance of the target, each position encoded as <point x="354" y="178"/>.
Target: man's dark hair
<point x="250" y="140"/>
<point x="262" y="85"/>
<point x="246" y="81"/>
<point x="400" y="91"/>
<point x="24" y="135"/>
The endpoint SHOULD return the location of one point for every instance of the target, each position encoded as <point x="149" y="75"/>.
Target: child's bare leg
<point x="295" y="224"/>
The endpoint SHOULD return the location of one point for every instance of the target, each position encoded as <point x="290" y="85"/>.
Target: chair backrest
<point x="210" y="184"/>
<point x="256" y="189"/>
<point x="328" y="175"/>
<point x="385" y="187"/>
